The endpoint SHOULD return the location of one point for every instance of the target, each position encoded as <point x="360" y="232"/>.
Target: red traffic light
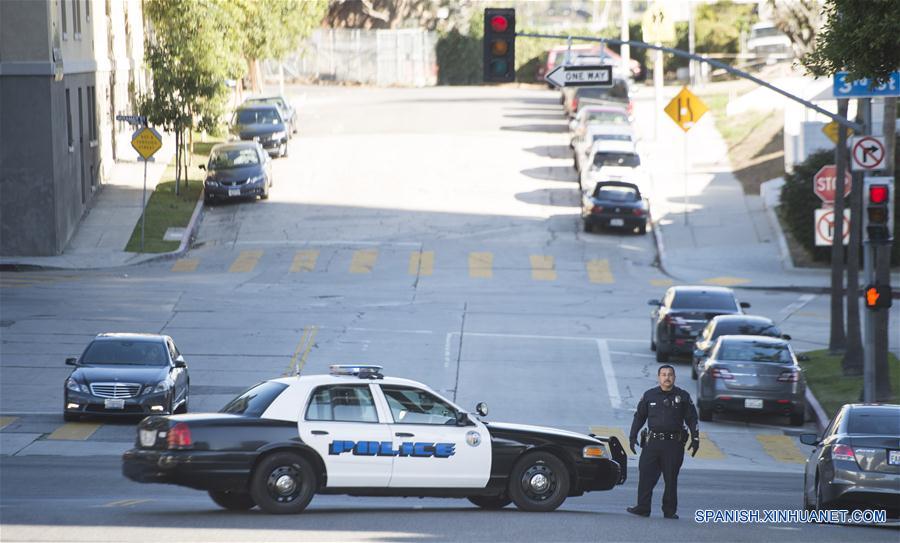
<point x="878" y="194"/>
<point x="499" y="23"/>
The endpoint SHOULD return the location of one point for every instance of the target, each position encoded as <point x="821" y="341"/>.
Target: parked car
<point x="611" y="160"/>
<point x="237" y="170"/>
<point x="288" y="113"/>
<point x="127" y="374"/>
<point x="583" y="145"/>
<point x="769" y="43"/>
<point x="606" y="114"/>
<point x="856" y="462"/>
<point x="615" y="204"/>
<point x="576" y="98"/>
<point x="722" y="325"/>
<point x="683" y="312"/>
<point x="262" y="123"/>
<point x="755" y="374"/>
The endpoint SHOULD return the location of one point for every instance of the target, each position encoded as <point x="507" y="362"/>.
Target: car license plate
<point x="114" y="404"/>
<point x="234" y="192"/>
<point x="148" y="438"/>
<point x="894" y="458"/>
<point x="617" y="222"/>
<point x="753" y="404"/>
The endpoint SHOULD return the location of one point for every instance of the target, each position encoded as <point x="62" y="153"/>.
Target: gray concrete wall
<point x="32" y="44"/>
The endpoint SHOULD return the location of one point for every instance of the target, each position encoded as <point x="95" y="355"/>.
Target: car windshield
<point x="716" y="301"/>
<point x="612" y="137"/>
<point x="616" y="194"/>
<point x="258" y="116"/>
<point x="885" y="422"/>
<point x="607" y="117"/>
<point x="233" y="158"/>
<point x="629" y="160"/>
<point x="256" y="400"/>
<point x="740" y="328"/>
<point x="125" y="353"/>
<point x="753" y="351"/>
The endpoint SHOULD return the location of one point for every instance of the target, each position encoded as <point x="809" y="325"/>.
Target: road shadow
<point x="538" y="116"/>
<point x="551" y="197"/>
<point x="552" y="173"/>
<point x="548" y="128"/>
<point x="551" y="151"/>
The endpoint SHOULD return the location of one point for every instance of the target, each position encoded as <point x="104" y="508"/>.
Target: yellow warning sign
<point x="146" y="142"/>
<point x="686" y="109"/>
<point x="831" y="130"/>
<point x="657" y="25"/>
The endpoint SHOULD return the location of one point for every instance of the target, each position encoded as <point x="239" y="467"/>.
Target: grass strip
<point x="831" y="387"/>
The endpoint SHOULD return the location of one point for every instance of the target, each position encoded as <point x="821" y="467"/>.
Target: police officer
<point x="665" y="409"/>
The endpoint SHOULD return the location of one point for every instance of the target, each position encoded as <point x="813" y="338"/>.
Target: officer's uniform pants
<point x="660" y="456"/>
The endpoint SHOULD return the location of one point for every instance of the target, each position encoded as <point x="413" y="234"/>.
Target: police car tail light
<point x="593" y="451"/>
<point x="179" y="436"/>
<point x="843" y="452"/>
<point x="721" y="373"/>
<point x="789" y="376"/>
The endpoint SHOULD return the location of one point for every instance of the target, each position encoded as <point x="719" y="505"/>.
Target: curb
<point x="660" y="245"/>
<point x="821" y="418"/>
<point x="786" y="259"/>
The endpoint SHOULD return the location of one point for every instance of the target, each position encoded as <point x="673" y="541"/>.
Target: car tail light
<point x="721" y="373"/>
<point x="630" y="107"/>
<point x="597" y="209"/>
<point x="179" y="436"/>
<point x="789" y="376"/>
<point x="574" y="104"/>
<point x="638" y="212"/>
<point x="843" y="452"/>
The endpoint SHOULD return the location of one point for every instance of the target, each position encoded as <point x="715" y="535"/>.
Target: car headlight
<point x="594" y="451"/>
<point x="211" y="183"/>
<point x="279" y="135"/>
<point x="257" y="179"/>
<point x="162" y="386"/>
<point x="75" y="386"/>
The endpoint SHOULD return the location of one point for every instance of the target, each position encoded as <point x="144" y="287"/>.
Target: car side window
<point x="173" y="353"/>
<point x="707" y="332"/>
<point x="667" y="300"/>
<point x="414" y="406"/>
<point x="342" y="403"/>
<point x="834" y="425"/>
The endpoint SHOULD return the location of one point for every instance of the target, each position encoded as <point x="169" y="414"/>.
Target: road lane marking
<point x="75" y="431"/>
<point x="303" y="346"/>
<point x="599" y="272"/>
<point x="6" y="421"/>
<point x="607" y="431"/>
<point x="781" y="448"/>
<point x="421" y="263"/>
<point x="542" y="268"/>
<point x="363" y="261"/>
<point x="185" y="265"/>
<point x="305" y="261"/>
<point x="726" y="281"/>
<point x="609" y="375"/>
<point x="662" y="282"/>
<point x="791" y="309"/>
<point x="127" y="503"/>
<point x="708" y="449"/>
<point x="245" y="262"/>
<point x="481" y="265"/>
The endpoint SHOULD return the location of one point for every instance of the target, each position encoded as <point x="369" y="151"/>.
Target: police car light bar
<point x="363" y="371"/>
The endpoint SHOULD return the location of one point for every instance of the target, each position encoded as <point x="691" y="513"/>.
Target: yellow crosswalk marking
<point x="542" y="268"/>
<point x="662" y="283"/>
<point x="363" y="261"/>
<point x="599" y="272"/>
<point x="781" y="448"/>
<point x="305" y="261"/>
<point x="185" y="265"/>
<point x="421" y="263"/>
<point x="726" y="281"/>
<point x="245" y="262"/>
<point x="606" y="431"/>
<point x="481" y="265"/>
<point x="73" y="431"/>
<point x="6" y="421"/>
<point x="708" y="449"/>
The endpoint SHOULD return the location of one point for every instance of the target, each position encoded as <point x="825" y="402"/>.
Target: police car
<point x="357" y="432"/>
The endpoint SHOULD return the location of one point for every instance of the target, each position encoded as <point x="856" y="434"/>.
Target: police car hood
<point x="543" y="430"/>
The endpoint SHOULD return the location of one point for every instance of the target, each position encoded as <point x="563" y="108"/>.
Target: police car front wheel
<point x="539" y="482"/>
<point x="233" y="501"/>
<point x="283" y="483"/>
<point x="490" y="502"/>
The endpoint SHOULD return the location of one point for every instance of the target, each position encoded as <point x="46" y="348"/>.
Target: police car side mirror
<point x="481" y="409"/>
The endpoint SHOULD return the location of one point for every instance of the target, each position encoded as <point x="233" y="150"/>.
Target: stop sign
<point x="825" y="183"/>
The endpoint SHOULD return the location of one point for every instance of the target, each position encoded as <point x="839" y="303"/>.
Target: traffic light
<point x="877" y="296"/>
<point x="499" y="45"/>
<point x="879" y="204"/>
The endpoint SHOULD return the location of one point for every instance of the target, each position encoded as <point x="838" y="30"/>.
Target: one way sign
<point x="867" y="153"/>
<point x="580" y="76"/>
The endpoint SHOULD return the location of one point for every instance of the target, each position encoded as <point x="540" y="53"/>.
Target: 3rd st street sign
<point x="825" y="184"/>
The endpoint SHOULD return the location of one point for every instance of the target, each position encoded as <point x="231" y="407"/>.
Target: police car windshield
<point x="255" y="401"/>
<point x="125" y="353"/>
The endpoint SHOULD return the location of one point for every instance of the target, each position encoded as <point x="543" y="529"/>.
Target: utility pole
<point x="838" y="340"/>
<point x="868" y="278"/>
<point x="625" y="50"/>
<point x="881" y="317"/>
<point x="852" y="363"/>
<point x="692" y="65"/>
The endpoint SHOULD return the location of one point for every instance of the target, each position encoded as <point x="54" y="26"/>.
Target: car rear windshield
<point x="607" y="117"/>
<point x="616" y="194"/>
<point x="233" y="158"/>
<point x="628" y="160"/>
<point x="256" y="400"/>
<point x="874" y="421"/>
<point x="618" y="92"/>
<point x="125" y="353"/>
<point x="750" y="351"/>
<point x="612" y="137"/>
<point x="258" y="116"/>
<point x="716" y="301"/>
<point x="739" y="328"/>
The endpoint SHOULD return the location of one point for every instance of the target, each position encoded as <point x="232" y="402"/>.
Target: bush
<point x="459" y="59"/>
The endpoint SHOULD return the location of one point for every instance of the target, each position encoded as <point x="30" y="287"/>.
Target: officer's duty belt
<point x="664" y="436"/>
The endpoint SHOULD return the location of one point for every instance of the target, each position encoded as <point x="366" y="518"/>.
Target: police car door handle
<point x="404" y="434"/>
<point x="319" y="433"/>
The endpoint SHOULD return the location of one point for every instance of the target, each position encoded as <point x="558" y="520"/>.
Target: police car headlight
<point x="594" y="451"/>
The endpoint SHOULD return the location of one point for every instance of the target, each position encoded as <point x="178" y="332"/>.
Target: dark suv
<point x="681" y="315"/>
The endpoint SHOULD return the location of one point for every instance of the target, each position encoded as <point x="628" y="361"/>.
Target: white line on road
<point x="447" y="349"/>
<point x="331" y="242"/>
<point x="625" y="353"/>
<point x="789" y="310"/>
<point x="534" y="336"/>
<point x="612" y="386"/>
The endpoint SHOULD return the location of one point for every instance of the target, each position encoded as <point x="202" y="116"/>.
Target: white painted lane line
<point x="625" y="353"/>
<point x="789" y="310"/>
<point x="612" y="386"/>
<point x="447" y="342"/>
<point x="288" y="243"/>
<point x="537" y="336"/>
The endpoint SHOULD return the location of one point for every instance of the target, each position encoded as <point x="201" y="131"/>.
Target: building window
<point x="76" y="18"/>
<point x="92" y="113"/>
<point x="69" y="119"/>
<point x="65" y="23"/>
<point x="87" y="9"/>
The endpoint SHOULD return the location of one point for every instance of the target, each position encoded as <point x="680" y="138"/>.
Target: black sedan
<point x="615" y="204"/>
<point x="288" y="113"/>
<point x="683" y="312"/>
<point x="856" y="462"/>
<point x="731" y="325"/>
<point x="262" y="123"/>
<point x="237" y="170"/>
<point x="127" y="374"/>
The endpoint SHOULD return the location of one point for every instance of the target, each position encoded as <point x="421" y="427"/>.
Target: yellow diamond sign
<point x="686" y="109"/>
<point x="146" y="142"/>
<point x="831" y="130"/>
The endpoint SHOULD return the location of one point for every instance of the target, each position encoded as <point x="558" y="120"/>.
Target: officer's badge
<point x="677" y="400"/>
<point x="473" y="438"/>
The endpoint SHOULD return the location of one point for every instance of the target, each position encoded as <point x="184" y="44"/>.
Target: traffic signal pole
<point x="865" y="106"/>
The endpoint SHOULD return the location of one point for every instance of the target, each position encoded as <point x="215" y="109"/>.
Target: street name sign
<point x="863" y="88"/>
<point x="146" y="142"/>
<point x="831" y="131"/>
<point x="825" y="183"/>
<point x="867" y="153"/>
<point x="132" y="119"/>
<point x="824" y="227"/>
<point x="580" y="76"/>
<point x="686" y="109"/>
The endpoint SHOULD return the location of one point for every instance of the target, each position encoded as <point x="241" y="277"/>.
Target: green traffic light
<point x="499" y="67"/>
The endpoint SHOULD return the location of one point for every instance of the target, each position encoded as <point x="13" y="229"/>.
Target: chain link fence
<point x="374" y="57"/>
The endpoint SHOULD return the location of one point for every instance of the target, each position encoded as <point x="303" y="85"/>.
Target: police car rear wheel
<point x="283" y="483"/>
<point x="539" y="482"/>
<point x="490" y="502"/>
<point x="233" y="501"/>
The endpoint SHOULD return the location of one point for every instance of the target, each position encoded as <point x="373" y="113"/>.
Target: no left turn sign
<point x="867" y="153"/>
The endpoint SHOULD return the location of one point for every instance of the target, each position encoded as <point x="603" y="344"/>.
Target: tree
<point x="384" y="14"/>
<point x="191" y="51"/>
<point x="799" y="20"/>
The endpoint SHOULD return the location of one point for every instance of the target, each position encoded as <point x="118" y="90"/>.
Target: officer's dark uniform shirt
<point x="665" y="412"/>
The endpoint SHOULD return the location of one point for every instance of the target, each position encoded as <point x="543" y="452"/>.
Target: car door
<point x="342" y="423"/>
<point x="432" y="449"/>
<point x="814" y="462"/>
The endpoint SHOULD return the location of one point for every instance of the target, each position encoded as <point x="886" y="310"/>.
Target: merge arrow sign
<point x="580" y="76"/>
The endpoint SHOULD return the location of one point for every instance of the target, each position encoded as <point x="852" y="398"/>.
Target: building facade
<point x="67" y="68"/>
